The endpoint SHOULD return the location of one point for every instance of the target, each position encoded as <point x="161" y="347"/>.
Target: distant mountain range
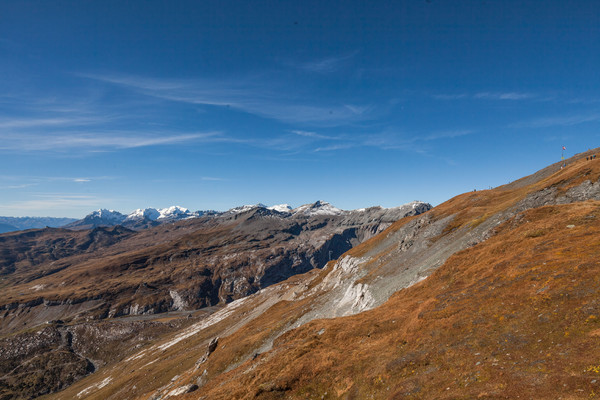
<point x="138" y="219"/>
<point x="10" y="224"/>
<point x="149" y="217"/>
<point x="143" y="218"/>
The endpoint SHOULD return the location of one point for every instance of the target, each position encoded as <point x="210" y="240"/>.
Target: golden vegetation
<point x="514" y="316"/>
<point x="506" y="318"/>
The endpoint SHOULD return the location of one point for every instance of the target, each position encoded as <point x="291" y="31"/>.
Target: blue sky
<point x="214" y="104"/>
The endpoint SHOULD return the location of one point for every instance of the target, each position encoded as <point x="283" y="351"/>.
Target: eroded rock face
<point x="82" y="281"/>
<point x="52" y="357"/>
<point x="186" y="265"/>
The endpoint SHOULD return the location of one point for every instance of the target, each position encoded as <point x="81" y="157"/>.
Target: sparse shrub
<point x="536" y="233"/>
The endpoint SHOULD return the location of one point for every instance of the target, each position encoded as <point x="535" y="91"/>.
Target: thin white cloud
<point x="22" y="182"/>
<point x="359" y="110"/>
<point x="37" y="179"/>
<point x="383" y="141"/>
<point x="53" y="201"/>
<point x="568" y="120"/>
<point x="282" y="143"/>
<point x="212" y="178"/>
<point x="390" y="140"/>
<point x="448" y="134"/>
<point x="450" y="96"/>
<point x="20" y="186"/>
<point x="335" y="147"/>
<point x="488" y="96"/>
<point x="326" y="65"/>
<point x="100" y="140"/>
<point x="306" y="134"/>
<point x="256" y="95"/>
<point x="19" y="123"/>
<point x="314" y="135"/>
<point x="503" y="96"/>
<point x="297" y="141"/>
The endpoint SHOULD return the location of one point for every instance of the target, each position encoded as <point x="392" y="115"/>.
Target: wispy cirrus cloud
<point x="314" y="135"/>
<point x="487" y="96"/>
<point x="504" y="95"/>
<point x="326" y="65"/>
<point x="23" y="123"/>
<point x="256" y="95"/>
<point x="53" y="201"/>
<point x="383" y="141"/>
<point x="24" y="181"/>
<point x="391" y="140"/>
<point x="334" y="147"/>
<point x="101" y="140"/>
<point x="18" y="186"/>
<point x="359" y="110"/>
<point x="458" y="96"/>
<point x="447" y="134"/>
<point x="298" y="141"/>
<point x="566" y="120"/>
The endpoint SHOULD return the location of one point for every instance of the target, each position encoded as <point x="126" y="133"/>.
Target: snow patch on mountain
<point x="144" y="213"/>
<point x="142" y="217"/>
<point x="175" y="212"/>
<point x="107" y="215"/>
<point x="319" y="207"/>
<point x="169" y="213"/>
<point x="245" y="208"/>
<point x="282" y="208"/>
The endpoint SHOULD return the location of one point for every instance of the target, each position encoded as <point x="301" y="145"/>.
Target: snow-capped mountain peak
<point x="282" y="208"/>
<point x="174" y="212"/>
<point x="319" y="207"/>
<point x="244" y="208"/>
<point x="153" y="214"/>
<point x="144" y="213"/>
<point x="145" y="217"/>
<point x="108" y="215"/>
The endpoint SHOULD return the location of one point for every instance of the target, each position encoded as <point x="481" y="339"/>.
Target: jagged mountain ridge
<point x="507" y="310"/>
<point x="148" y="217"/>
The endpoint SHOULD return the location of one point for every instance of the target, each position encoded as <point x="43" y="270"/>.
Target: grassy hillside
<point x="518" y="315"/>
<point x="510" y="308"/>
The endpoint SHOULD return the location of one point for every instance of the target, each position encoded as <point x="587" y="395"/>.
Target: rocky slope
<point x="492" y="294"/>
<point x="193" y="263"/>
<point x="513" y="317"/>
<point x="59" y="283"/>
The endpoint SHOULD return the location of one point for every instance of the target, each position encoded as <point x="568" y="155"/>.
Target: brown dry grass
<point x="473" y="208"/>
<point x="517" y="315"/>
